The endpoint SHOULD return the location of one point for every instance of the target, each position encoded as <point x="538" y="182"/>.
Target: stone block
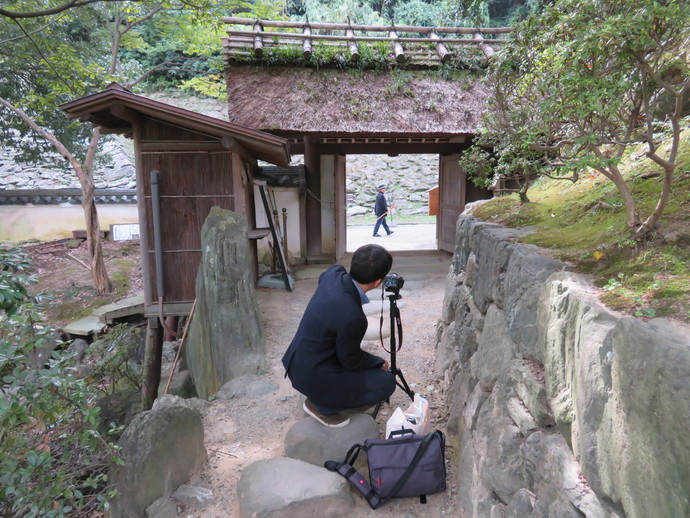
<point x="291" y="488"/>
<point x="310" y="441"/>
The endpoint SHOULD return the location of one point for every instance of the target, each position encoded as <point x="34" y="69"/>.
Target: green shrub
<point x="53" y="459"/>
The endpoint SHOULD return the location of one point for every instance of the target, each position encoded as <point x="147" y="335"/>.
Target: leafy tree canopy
<point x="586" y="79"/>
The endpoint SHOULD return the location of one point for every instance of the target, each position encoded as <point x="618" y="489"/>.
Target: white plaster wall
<point x="49" y="222"/>
<point x="287" y="198"/>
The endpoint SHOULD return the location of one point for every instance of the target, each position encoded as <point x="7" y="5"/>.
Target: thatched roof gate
<point x="338" y="89"/>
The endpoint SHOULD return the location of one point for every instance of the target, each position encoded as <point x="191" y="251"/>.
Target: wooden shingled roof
<point x="115" y="107"/>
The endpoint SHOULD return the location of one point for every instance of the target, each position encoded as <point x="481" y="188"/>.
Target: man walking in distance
<point x="381" y="211"/>
<point x="325" y="361"/>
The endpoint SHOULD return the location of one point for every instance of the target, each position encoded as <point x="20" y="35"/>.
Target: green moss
<point x="584" y="223"/>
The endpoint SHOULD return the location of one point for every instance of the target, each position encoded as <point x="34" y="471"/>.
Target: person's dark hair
<point x="370" y="263"/>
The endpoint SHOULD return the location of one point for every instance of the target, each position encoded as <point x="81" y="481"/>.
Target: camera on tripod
<point x="393" y="283"/>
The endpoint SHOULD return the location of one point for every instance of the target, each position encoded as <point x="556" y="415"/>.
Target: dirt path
<point x="243" y="430"/>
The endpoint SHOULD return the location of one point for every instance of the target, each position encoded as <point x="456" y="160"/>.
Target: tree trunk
<point x="632" y="213"/>
<point x="85" y="175"/>
<point x="152" y="363"/>
<point x="93" y="226"/>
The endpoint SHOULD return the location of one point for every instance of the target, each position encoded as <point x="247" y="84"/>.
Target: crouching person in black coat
<point x="324" y="360"/>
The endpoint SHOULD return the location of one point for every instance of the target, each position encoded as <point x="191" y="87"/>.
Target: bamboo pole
<point x="306" y="44"/>
<point x="443" y="52"/>
<point x="352" y="45"/>
<point x="486" y="49"/>
<point x="335" y="37"/>
<point x="231" y="20"/>
<point x="398" y="51"/>
<point x="179" y="349"/>
<point x="258" y="40"/>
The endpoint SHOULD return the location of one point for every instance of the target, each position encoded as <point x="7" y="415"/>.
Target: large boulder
<point x="291" y="488"/>
<point x="161" y="449"/>
<point x="312" y="442"/>
<point x="225" y="337"/>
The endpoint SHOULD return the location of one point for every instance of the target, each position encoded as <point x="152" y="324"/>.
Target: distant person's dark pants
<point x="378" y="224"/>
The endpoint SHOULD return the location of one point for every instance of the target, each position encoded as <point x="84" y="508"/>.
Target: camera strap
<point x="398" y="327"/>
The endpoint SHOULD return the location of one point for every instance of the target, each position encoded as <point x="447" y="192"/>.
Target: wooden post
<point x="352" y="45"/>
<point x="398" y="51"/>
<point x="443" y="53"/>
<point x="306" y="45"/>
<point x="171" y="322"/>
<point x="258" y="40"/>
<point x="312" y="166"/>
<point x="153" y="356"/>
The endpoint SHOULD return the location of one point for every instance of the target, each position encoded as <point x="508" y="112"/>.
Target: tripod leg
<point x="403" y="383"/>
<point x="376" y="409"/>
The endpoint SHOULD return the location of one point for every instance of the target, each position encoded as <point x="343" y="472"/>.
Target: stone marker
<point x="225" y="338"/>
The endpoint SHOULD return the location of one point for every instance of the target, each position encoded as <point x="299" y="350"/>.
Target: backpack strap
<point x="356" y="479"/>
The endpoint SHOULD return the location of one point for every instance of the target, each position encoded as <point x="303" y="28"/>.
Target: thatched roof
<point x="286" y="100"/>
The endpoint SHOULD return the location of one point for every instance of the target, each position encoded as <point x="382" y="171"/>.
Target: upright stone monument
<point x="225" y="338"/>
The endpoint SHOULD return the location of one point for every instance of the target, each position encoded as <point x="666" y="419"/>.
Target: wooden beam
<point x="122" y="112"/>
<point x="382" y="148"/>
<point x="352" y="45"/>
<point x="306" y="44"/>
<point x="367" y="28"/>
<point x="486" y="49"/>
<point x="443" y="53"/>
<point x="231" y="144"/>
<point x="193" y="146"/>
<point x="312" y="167"/>
<point x="398" y="51"/>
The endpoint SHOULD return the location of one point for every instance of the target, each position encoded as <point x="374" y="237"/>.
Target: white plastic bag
<point x="415" y="417"/>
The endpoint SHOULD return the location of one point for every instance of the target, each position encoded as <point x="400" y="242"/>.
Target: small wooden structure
<point x="186" y="163"/>
<point x="201" y="162"/>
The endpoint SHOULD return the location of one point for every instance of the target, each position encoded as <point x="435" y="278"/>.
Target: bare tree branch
<point x="54" y="10"/>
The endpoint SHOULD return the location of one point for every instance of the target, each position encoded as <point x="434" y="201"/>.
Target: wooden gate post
<point x="153" y="356"/>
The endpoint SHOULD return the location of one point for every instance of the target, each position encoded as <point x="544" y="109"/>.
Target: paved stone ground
<point x="404" y="237"/>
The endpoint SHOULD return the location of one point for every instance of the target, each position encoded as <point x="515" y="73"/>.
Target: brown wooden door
<point x="340" y="207"/>
<point x="190" y="183"/>
<point x="451" y="200"/>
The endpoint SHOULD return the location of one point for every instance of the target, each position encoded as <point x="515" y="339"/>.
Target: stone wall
<point x="559" y="407"/>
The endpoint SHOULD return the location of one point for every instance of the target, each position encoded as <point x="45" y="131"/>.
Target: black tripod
<point x="396" y="324"/>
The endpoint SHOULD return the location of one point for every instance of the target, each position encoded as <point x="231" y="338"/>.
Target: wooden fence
<point x="405" y="44"/>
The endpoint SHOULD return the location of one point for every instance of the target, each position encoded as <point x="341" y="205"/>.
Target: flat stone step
<point x="122" y="308"/>
<point x="87" y="326"/>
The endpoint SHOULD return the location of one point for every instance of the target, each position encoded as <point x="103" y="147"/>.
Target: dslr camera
<point x="393" y="283"/>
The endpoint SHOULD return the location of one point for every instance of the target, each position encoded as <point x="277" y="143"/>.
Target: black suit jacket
<point x="381" y="206"/>
<point x="324" y="357"/>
